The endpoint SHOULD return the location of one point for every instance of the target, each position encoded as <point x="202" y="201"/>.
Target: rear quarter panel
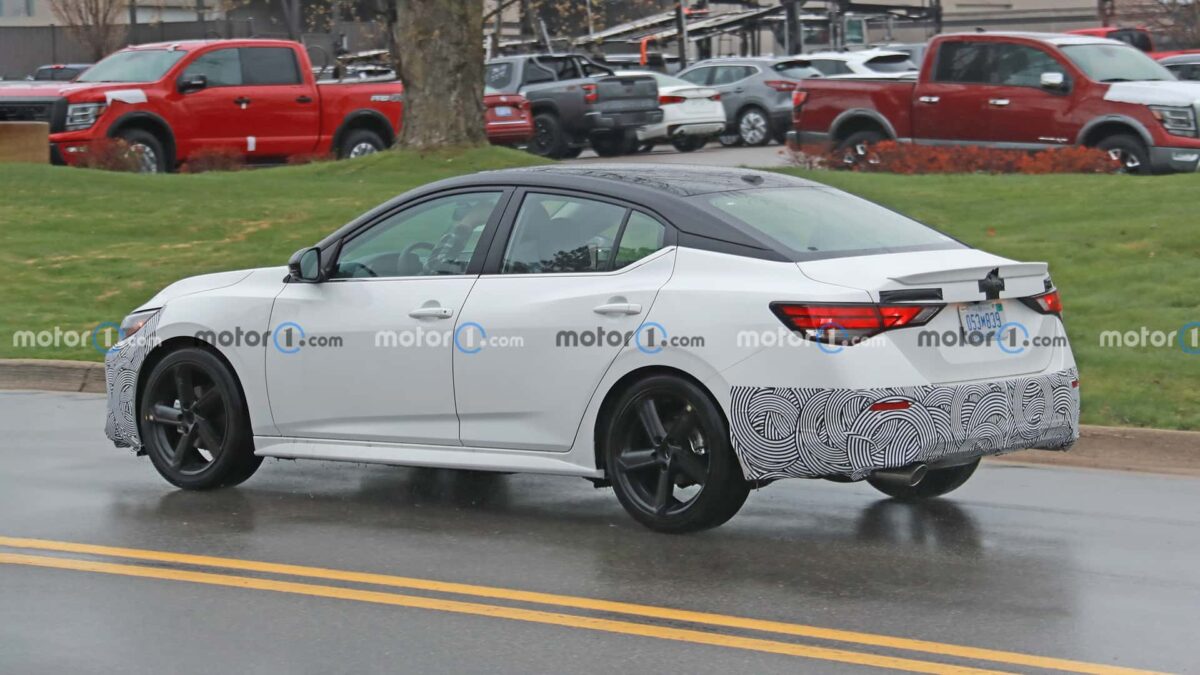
<point x="341" y="99"/>
<point x="827" y="99"/>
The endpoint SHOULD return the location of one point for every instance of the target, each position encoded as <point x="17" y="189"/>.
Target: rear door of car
<point x="951" y="103"/>
<point x="284" y="110"/>
<point x="568" y="281"/>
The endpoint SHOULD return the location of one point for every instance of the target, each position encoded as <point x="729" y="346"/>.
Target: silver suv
<point x="756" y="91"/>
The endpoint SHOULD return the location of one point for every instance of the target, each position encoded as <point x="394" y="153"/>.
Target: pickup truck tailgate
<point x="624" y="93"/>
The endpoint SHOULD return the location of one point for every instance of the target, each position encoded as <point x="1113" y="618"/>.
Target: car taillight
<point x="1046" y="303"/>
<point x="849" y="324"/>
<point x="715" y="97"/>
<point x="589" y="93"/>
<point x="782" y="85"/>
<point x="668" y="100"/>
<point x="798" y="99"/>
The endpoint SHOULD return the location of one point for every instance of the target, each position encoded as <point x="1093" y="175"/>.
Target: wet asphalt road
<point x="1078" y="564"/>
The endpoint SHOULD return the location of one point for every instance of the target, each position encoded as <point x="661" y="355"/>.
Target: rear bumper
<point x="667" y="131"/>
<point x="615" y="121"/>
<point x="809" y="432"/>
<point x="1175" y="160"/>
<point x="517" y="131"/>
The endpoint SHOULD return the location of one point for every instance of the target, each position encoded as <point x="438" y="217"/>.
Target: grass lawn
<point x="82" y="247"/>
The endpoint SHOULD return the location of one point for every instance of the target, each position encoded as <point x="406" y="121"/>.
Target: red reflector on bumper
<point x="890" y="405"/>
<point x="1074" y="384"/>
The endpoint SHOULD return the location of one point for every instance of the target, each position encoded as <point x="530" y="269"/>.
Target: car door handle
<point x="304" y="99"/>
<point x="929" y="99"/>
<point x="618" y="309"/>
<point x="432" y="313"/>
<point x="998" y="102"/>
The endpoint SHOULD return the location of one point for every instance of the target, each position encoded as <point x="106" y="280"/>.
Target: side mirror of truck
<point x="1054" y="81"/>
<point x="192" y="83"/>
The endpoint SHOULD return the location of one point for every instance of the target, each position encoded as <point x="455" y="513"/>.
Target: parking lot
<point x="1028" y="569"/>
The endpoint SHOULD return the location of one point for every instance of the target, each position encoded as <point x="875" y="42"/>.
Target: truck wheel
<point x="360" y="143"/>
<point x="853" y="150"/>
<point x="1129" y="151"/>
<point x="614" y="143"/>
<point x="753" y="127"/>
<point x="151" y="156"/>
<point x="936" y="483"/>
<point x="689" y="143"/>
<point x="548" y="137"/>
<point x="572" y="153"/>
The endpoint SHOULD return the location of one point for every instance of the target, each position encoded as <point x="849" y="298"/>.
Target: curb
<point x="1114" y="448"/>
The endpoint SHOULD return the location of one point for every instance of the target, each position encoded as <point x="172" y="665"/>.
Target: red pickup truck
<point x="1016" y="90"/>
<point x="169" y="100"/>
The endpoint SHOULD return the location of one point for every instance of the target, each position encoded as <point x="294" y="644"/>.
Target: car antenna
<point x="753" y="179"/>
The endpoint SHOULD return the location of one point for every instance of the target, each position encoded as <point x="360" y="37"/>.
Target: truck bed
<point x="828" y="98"/>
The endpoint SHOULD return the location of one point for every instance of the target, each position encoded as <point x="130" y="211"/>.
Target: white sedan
<point x="691" y="115"/>
<point x="683" y="334"/>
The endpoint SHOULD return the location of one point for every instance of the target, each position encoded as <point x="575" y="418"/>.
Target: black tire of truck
<point x="615" y="143"/>
<point x="152" y="157"/>
<point x="1129" y="151"/>
<point x="360" y="143"/>
<point x="856" y="149"/>
<point x="548" y="138"/>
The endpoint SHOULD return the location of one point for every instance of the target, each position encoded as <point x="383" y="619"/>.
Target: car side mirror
<point x="1054" y="81"/>
<point x="192" y="83"/>
<point x="305" y="266"/>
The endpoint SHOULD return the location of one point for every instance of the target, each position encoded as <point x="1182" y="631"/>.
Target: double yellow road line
<point x="640" y="620"/>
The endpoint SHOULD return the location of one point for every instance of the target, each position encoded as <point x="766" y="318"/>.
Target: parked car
<point x="683" y="333"/>
<point x="59" y="72"/>
<point x="576" y="101"/>
<point x="863" y="62"/>
<point x="1017" y="90"/>
<point x="253" y="97"/>
<point x="756" y="93"/>
<point x="691" y="115"/>
<point x="915" y="50"/>
<point x="507" y="117"/>
<point x="1183" y="66"/>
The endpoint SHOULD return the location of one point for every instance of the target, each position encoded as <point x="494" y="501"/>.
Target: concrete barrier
<point x="25" y="142"/>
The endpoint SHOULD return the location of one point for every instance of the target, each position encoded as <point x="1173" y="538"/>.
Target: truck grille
<point x="49" y="111"/>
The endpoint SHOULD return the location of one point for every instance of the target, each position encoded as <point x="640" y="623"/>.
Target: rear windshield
<point x="797" y="70"/>
<point x="896" y="63"/>
<point x="140" y="65"/>
<point x="816" y="222"/>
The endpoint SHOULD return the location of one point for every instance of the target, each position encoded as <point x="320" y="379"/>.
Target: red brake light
<point x="850" y="323"/>
<point x="589" y="93"/>
<point x="668" y="100"/>
<point x="782" y="85"/>
<point x="798" y="98"/>
<point x="715" y="97"/>
<point x="1046" y="303"/>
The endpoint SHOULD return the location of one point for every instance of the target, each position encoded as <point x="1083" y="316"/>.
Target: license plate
<point x="504" y="111"/>
<point x="984" y="318"/>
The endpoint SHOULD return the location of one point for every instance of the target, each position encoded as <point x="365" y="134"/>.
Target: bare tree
<point x="1176" y="20"/>
<point x="93" y="22"/>
<point x="439" y="55"/>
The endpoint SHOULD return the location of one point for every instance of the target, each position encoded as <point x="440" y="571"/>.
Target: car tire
<point x="614" y="143"/>
<point x="729" y="140"/>
<point x="360" y="143"/>
<point x="689" y="143"/>
<point x="572" y="152"/>
<point x="754" y="127"/>
<point x="152" y="157"/>
<point x="853" y="150"/>
<point x="682" y="478"/>
<point x="1129" y="151"/>
<point x="548" y="138"/>
<point x="194" y="424"/>
<point x="935" y="483"/>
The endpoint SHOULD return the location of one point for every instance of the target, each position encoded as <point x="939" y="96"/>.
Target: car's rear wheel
<point x="730" y="140"/>
<point x="194" y="423"/>
<point x="615" y="143"/>
<point x="754" y="127"/>
<point x="669" y="457"/>
<point x="856" y="149"/>
<point x="572" y="153"/>
<point x="360" y="143"/>
<point x="1129" y="151"/>
<point x="935" y="483"/>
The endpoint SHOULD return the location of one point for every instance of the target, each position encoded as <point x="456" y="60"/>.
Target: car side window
<point x="1021" y="65"/>
<point x="731" y="74"/>
<point x="432" y="238"/>
<point x="643" y="235"/>
<point x="535" y="73"/>
<point x="555" y="234"/>
<point x="221" y="67"/>
<point x="962" y="61"/>
<point x="698" y="76"/>
<point x="269" y="65"/>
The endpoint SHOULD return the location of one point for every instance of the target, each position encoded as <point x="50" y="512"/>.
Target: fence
<point x="24" y="48"/>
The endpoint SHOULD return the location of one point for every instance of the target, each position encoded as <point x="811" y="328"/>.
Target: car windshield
<point x="497" y="78"/>
<point x="1115" y="63"/>
<point x="135" y="65"/>
<point x="819" y="222"/>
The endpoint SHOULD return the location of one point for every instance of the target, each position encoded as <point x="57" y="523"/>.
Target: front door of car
<point x="952" y="104"/>
<point x="213" y="116"/>
<point x="558" y="300"/>
<point x="732" y="82"/>
<point x="367" y="354"/>
<point x="1020" y="109"/>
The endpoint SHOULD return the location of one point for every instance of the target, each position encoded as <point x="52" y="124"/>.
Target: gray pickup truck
<point x="575" y="100"/>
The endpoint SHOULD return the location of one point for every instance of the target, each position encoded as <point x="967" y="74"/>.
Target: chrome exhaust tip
<point x="905" y="476"/>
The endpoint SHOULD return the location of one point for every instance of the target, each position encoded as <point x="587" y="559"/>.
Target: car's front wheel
<point x="669" y="457"/>
<point x="935" y="483"/>
<point x="194" y="423"/>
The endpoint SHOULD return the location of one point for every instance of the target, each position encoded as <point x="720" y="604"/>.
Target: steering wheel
<point x="416" y="245"/>
<point x="352" y="269"/>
